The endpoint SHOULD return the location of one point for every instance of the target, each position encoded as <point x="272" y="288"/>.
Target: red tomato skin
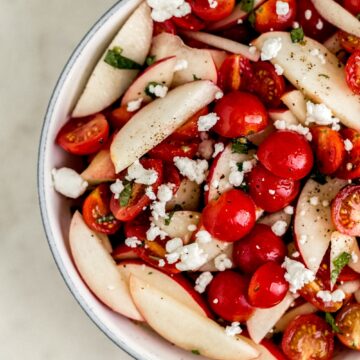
<point x="266" y="18"/>
<point x="189" y="22"/>
<point x="172" y="176"/>
<point x="352" y="6"/>
<point x="260" y="246"/>
<point x="230" y="217"/>
<point x="261" y="181"/>
<point x="138" y="226"/>
<point x="166" y="26"/>
<point x="286" y="154"/>
<point x="329" y="149"/>
<point x="352" y="70"/>
<point x="348" y="321"/>
<point x="203" y="10"/>
<point x="268" y="286"/>
<point x="230" y="289"/>
<point x="71" y="135"/>
<point x="120" y="116"/>
<point x="241" y="114"/>
<point x="349" y="42"/>
<point x="230" y="74"/>
<point x="168" y="149"/>
<point x="306" y="323"/>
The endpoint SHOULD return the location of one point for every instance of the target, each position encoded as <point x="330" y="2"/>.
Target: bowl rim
<point x="41" y="185"/>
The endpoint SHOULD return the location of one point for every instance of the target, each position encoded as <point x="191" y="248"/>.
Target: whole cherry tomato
<point x="230" y="217"/>
<point x="260" y="246"/>
<point x="227" y="296"/>
<point x="84" y="136"/>
<point x="286" y="154"/>
<point x="272" y="17"/>
<point x="348" y="322"/>
<point x="329" y="149"/>
<point x="120" y="116"/>
<point x="166" y="26"/>
<point x="189" y="22"/>
<point x="269" y="191"/>
<point x="345" y="210"/>
<point x="169" y="149"/>
<point x="353" y="6"/>
<point x="240" y="114"/>
<point x="96" y="211"/>
<point x="352" y="70"/>
<point x="268" y="286"/>
<point x="313" y="24"/>
<point x="212" y="10"/>
<point x="349" y="42"/>
<point x="308" y="337"/>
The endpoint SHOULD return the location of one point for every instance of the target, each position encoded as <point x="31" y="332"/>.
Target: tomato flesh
<point x="84" y="136"/>
<point x="206" y="11"/>
<point x="348" y="322"/>
<point x="166" y="26"/>
<point x="352" y="70"/>
<point x="308" y="337"/>
<point x="353" y="6"/>
<point x="169" y="149"/>
<point x="189" y="22"/>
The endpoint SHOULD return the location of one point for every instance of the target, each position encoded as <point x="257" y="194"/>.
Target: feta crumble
<point x="133" y="242"/>
<point x="191" y="257"/>
<point x="206" y="122"/>
<point x="327" y="296"/>
<point x="270" y="48"/>
<point x="203" y="237"/>
<point x="348" y="145"/>
<point x="297" y="275"/>
<point x="194" y="170"/>
<point x="134" y="105"/>
<point x="319" y="25"/>
<point x="203" y="281"/>
<point x="165" y="192"/>
<point x="161" y="263"/>
<point x="159" y="90"/>
<point x="163" y="10"/>
<point x="278" y="69"/>
<point x="233" y="329"/>
<point x="117" y="188"/>
<point x="154" y="232"/>
<point x="282" y="8"/>
<point x="173" y="245"/>
<point x="289" y="210"/>
<point x="302" y="130"/>
<point x="150" y="193"/>
<point x="141" y="175"/>
<point x="181" y="65"/>
<point x="296" y="254"/>
<point x="219" y="95"/>
<point x="222" y="262"/>
<point x="320" y="114"/>
<point x="218" y="148"/>
<point x="279" y="228"/>
<point x="68" y="182"/>
<point x="213" y="4"/>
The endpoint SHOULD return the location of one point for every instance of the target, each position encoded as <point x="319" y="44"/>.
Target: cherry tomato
<point x="166" y="26"/>
<point x="349" y="42"/>
<point x="189" y="22"/>
<point x="329" y="149"/>
<point x="348" y="322"/>
<point x="138" y="226"/>
<point x="237" y="32"/>
<point x="258" y="248"/>
<point x="308" y="337"/>
<point x="227" y="296"/>
<point x="84" y="136"/>
<point x="345" y="210"/>
<point x="269" y="191"/>
<point x="268" y="286"/>
<point x="230" y="217"/>
<point x="350" y="168"/>
<point x="96" y="211"/>
<point x="268" y="19"/>
<point x="169" y="149"/>
<point x="240" y="114"/>
<point x="313" y="24"/>
<point x="286" y="154"/>
<point x="205" y="9"/>
<point x="172" y="176"/>
<point x="353" y="6"/>
<point x="266" y="83"/>
<point x="352" y="70"/>
<point x="120" y="116"/>
<point x="137" y="199"/>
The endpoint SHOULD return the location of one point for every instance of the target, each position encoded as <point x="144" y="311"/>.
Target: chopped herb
<point x="244" y="187"/>
<point x="339" y="263"/>
<point x="252" y="18"/>
<point x="125" y="194"/>
<point x="318" y="177"/>
<point x="324" y="76"/>
<point x="242" y="145"/>
<point x="297" y="35"/>
<point x="195" y="352"/>
<point x="177" y="207"/>
<point x="331" y="321"/>
<point x="247" y="5"/>
<point x="196" y="78"/>
<point x="240" y="166"/>
<point x="147" y="89"/>
<point x="116" y="60"/>
<point x="150" y="60"/>
<point x="150" y="273"/>
<point x="105" y="219"/>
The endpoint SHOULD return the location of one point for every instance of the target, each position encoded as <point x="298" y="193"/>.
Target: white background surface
<point x="39" y="319"/>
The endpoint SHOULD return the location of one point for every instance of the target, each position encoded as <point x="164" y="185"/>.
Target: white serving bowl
<point x="138" y="341"/>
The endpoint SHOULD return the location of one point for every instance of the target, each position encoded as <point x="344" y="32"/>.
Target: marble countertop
<point x="40" y="320"/>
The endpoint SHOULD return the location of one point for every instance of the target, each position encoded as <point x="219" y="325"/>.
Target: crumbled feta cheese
<point x="219" y="95"/>
<point x="308" y="14"/>
<point x="141" y="175"/>
<point x="206" y="122"/>
<point x="163" y="10"/>
<point x="203" y="237"/>
<point x="296" y="254"/>
<point x="319" y="25"/>
<point x="181" y="65"/>
<point x="158" y="210"/>
<point x="206" y="149"/>
<point x="303" y="239"/>
<point x="192" y="227"/>
<point x="172" y="258"/>
<point x="222" y="262"/>
<point x="348" y="145"/>
<point x="289" y="210"/>
<point x="173" y="245"/>
<point x="236" y="177"/>
<point x="159" y="90"/>
<point x="161" y="263"/>
<point x="150" y="193"/>
<point x="248" y="165"/>
<point x="302" y="130"/>
<point x="272" y="192"/>
<point x="314" y="201"/>
<point x="218" y="148"/>
<point x="133" y="242"/>
<point x="203" y="281"/>
<point x="194" y="170"/>
<point x="213" y="4"/>
<point x="270" y="48"/>
<point x="215" y="184"/>
<point x="233" y="329"/>
<point x="117" y="188"/>
<point x="279" y="228"/>
<point x="338" y="295"/>
<point x="68" y="182"/>
<point x="327" y="296"/>
<point x="191" y="257"/>
<point x="154" y="232"/>
<point x="165" y="192"/>
<point x="282" y="8"/>
<point x="134" y="105"/>
<point x="320" y="114"/>
<point x="297" y="275"/>
<point x="278" y="69"/>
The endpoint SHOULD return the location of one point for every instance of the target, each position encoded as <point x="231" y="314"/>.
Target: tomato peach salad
<point x="220" y="200"/>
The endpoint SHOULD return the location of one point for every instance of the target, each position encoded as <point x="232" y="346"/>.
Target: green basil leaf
<point x="177" y="207"/>
<point x="147" y="89"/>
<point x="297" y="35"/>
<point x="195" y="352"/>
<point x="339" y="263"/>
<point x="114" y="58"/>
<point x="242" y="145"/>
<point x="247" y="5"/>
<point x="125" y="195"/>
<point x="331" y="321"/>
<point x="150" y="60"/>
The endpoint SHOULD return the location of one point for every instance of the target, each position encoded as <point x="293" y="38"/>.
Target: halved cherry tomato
<point x="353" y="6"/>
<point x="258" y="248"/>
<point x="349" y="42"/>
<point x="295" y="159"/>
<point x="189" y="22"/>
<point x="138" y="226"/>
<point x="268" y="286"/>
<point x="268" y="19"/>
<point x="227" y="296"/>
<point x="137" y="199"/>
<point x="329" y="149"/>
<point x="230" y="217"/>
<point x="241" y="114"/>
<point x="352" y="70"/>
<point x="120" y="116"/>
<point x="169" y="149"/>
<point x="166" y="26"/>
<point x="308" y="337"/>
<point x="269" y="191"/>
<point x="350" y="168"/>
<point x="96" y="211"/>
<point x="313" y="24"/>
<point x="345" y="210"/>
<point x="211" y="10"/>
<point x="266" y="83"/>
<point x="348" y="322"/>
<point x="84" y="136"/>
